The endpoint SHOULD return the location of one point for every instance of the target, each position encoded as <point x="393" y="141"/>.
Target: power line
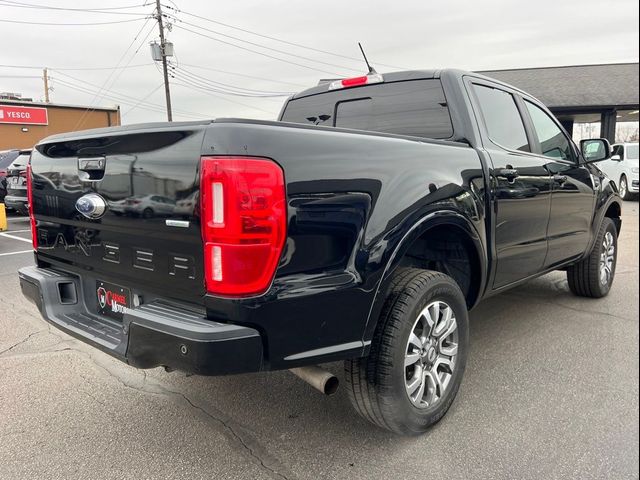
<point x="126" y="100"/>
<point x="142" y="100"/>
<point x="206" y="92"/>
<point x="5" y="3"/>
<point x="210" y="88"/>
<point x="243" y="75"/>
<point x="75" y="68"/>
<point x="49" y="7"/>
<point x="227" y="87"/>
<point x="104" y="85"/>
<point x="256" y="52"/>
<point x="302" y="57"/>
<point x="71" y="24"/>
<point x="19" y="76"/>
<point x="294" y="44"/>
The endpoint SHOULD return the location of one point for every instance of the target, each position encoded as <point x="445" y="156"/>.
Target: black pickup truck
<point x="362" y="226"/>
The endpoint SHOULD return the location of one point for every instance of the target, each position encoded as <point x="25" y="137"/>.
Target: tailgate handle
<point x="91" y="164"/>
<point x="92" y="168"/>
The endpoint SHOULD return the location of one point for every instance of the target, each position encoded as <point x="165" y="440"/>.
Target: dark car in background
<point x="16" y="180"/>
<point x="6" y="158"/>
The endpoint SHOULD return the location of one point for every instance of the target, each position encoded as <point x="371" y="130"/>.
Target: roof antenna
<point x="371" y="69"/>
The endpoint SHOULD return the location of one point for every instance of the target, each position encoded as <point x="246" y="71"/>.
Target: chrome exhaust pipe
<point x="318" y="378"/>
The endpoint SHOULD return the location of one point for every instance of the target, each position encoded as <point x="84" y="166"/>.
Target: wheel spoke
<point x="450" y="349"/>
<point x="436" y="382"/>
<point x="416" y="380"/>
<point x="427" y="323"/>
<point x="443" y="361"/>
<point x="411" y="358"/>
<point x="415" y="341"/>
<point x="417" y="398"/>
<point x="446" y="325"/>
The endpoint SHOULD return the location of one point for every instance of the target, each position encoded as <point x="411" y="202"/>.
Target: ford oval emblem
<point x="91" y="205"/>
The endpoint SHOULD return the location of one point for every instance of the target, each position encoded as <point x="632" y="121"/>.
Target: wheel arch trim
<point x="426" y="223"/>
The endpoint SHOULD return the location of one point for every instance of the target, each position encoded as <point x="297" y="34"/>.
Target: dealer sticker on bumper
<point x="113" y="300"/>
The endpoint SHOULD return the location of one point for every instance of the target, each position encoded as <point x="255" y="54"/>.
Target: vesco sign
<point x="23" y="115"/>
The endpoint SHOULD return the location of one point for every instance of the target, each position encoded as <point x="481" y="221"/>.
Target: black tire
<point x="585" y="277"/>
<point x="376" y="383"/>
<point x="147" y="213"/>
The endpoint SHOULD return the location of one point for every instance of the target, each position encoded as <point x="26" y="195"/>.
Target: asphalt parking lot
<point x="551" y="392"/>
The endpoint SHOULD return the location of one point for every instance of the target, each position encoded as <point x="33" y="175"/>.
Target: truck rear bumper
<point x="19" y="204"/>
<point x="160" y="333"/>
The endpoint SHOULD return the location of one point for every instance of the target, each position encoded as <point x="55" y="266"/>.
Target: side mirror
<point x="616" y="158"/>
<point x="595" y="149"/>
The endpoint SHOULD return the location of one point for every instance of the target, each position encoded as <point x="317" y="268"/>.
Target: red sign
<point x="23" y="115"/>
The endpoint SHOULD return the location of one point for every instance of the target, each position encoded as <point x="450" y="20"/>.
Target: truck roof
<point x="407" y="75"/>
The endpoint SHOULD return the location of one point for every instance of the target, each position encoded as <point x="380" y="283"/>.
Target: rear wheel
<point x="594" y="275"/>
<point x="418" y="355"/>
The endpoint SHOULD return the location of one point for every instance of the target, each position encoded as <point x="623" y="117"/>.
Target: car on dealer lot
<point x="149" y="206"/>
<point x="362" y="226"/>
<point x="6" y="158"/>
<point x="623" y="169"/>
<point x="16" y="178"/>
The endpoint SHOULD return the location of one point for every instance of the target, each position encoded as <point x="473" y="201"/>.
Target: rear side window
<point x="502" y="118"/>
<point x="7" y="158"/>
<point x="21" y="160"/>
<point x="553" y="142"/>
<point x="415" y="107"/>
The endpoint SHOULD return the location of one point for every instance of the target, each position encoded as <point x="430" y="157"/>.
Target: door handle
<point x="509" y="173"/>
<point x="560" y="179"/>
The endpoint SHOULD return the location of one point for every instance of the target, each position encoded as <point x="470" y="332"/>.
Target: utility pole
<point x="46" y="85"/>
<point x="165" y="73"/>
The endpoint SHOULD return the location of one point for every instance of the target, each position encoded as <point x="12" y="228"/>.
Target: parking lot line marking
<point x="15" y="238"/>
<point x="19" y="231"/>
<point x="15" y="253"/>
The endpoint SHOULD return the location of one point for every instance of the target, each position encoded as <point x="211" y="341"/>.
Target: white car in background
<point x="149" y="206"/>
<point x="186" y="207"/>
<point x="622" y="168"/>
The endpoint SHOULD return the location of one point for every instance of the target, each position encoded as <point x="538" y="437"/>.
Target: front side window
<point x="632" y="152"/>
<point x="553" y="142"/>
<point x="618" y="150"/>
<point x="502" y="118"/>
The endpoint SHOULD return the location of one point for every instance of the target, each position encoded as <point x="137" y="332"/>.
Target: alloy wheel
<point x="431" y="352"/>
<point x="623" y="187"/>
<point x="607" y="258"/>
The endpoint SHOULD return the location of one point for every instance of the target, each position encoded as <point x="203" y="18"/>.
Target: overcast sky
<point x="473" y="35"/>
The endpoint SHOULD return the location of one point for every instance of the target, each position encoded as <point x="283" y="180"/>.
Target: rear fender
<point x="428" y="222"/>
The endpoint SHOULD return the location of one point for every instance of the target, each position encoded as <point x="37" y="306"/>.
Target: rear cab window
<point x="411" y="107"/>
<point x="502" y="118"/>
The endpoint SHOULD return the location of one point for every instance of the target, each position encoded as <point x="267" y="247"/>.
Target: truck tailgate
<point x="149" y="233"/>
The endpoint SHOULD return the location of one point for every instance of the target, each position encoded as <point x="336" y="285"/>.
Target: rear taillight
<point x="244" y="221"/>
<point x="34" y="237"/>
<point x="356" y="81"/>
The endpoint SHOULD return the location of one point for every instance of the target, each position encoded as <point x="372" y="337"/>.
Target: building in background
<point x="24" y="123"/>
<point x="589" y="100"/>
